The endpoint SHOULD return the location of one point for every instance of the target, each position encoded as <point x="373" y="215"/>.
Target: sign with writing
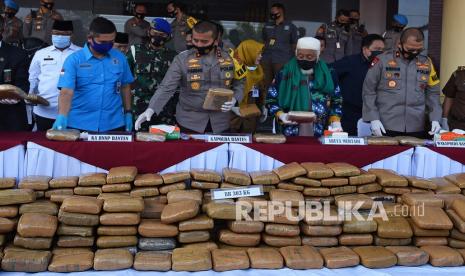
<point x="240" y="139"/>
<point x="110" y="138"/>
<point x="450" y="144"/>
<point x="348" y="141"/>
<point x="255" y="190"/>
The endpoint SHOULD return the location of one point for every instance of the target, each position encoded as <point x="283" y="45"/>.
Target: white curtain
<point x="12" y="162"/>
<point x="428" y="164"/>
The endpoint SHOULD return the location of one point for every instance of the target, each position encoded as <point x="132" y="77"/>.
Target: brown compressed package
<point x="287" y="216"/>
<point x="116" y="241"/>
<point x="39" y="194"/>
<point x="171" y="178"/>
<point x="179" y="211"/>
<point x="282" y="230"/>
<point x="317" y="192"/>
<point x="459" y="207"/>
<point x="458" y="222"/>
<point x="430" y="241"/>
<point x="116" y="188"/>
<point x="172" y="187"/>
<point x="64" y="182"/>
<point x="225" y="260"/>
<point x="321" y="231"/>
<point x="7" y="183"/>
<point x="201" y="222"/>
<point x="152" y="228"/>
<point x="121" y="175"/>
<point x="93" y="179"/>
<point x="237" y="177"/>
<point x="75" y="241"/>
<point x="35" y="225"/>
<point x="70" y="251"/>
<point x="190" y="259"/>
<point x="443" y="256"/>
<point x="231" y="238"/>
<point x="422" y="199"/>
<point x="265" y="258"/>
<point x="307" y="182"/>
<point x="267" y="188"/>
<point x="123" y="219"/>
<point x="320" y="241"/>
<point x="369" y="188"/>
<point x="75" y="262"/>
<point x="26" y="260"/>
<point x="16" y="196"/>
<point x="450" y="198"/>
<point x="323" y="199"/>
<point x="221" y="210"/>
<point x="364" y="178"/>
<point x="391" y="242"/>
<point x="87" y="191"/>
<point x="112" y="259"/>
<point x="277" y="241"/>
<point x="36" y="183"/>
<point x="152" y="209"/>
<point x="8" y="211"/>
<point x="343" y="190"/>
<point x="246" y="227"/>
<point x="355" y="226"/>
<point x="433" y="218"/>
<point x="203" y="245"/>
<point x="388" y="178"/>
<point x="396" y="191"/>
<point x="344" y="169"/>
<point x="58" y="198"/>
<point x="375" y="256"/>
<point x="351" y="200"/>
<point x="33" y="243"/>
<point x="49" y="193"/>
<point x="269" y="138"/>
<point x="355" y="239"/>
<point x="339" y="257"/>
<point x="78" y="219"/>
<point x="144" y="192"/>
<point x="69" y="230"/>
<point x="82" y="205"/>
<point x="290" y="187"/>
<point x="317" y="170"/>
<point x="152" y="261"/>
<point x="287" y="196"/>
<point x="129" y="204"/>
<point x="290" y="171"/>
<point x="394" y="228"/>
<point x="334" y="182"/>
<point x="457" y="179"/>
<point x="419" y="232"/>
<point x="264" y="178"/>
<point x="204" y="185"/>
<point x="331" y="218"/>
<point x="458" y="244"/>
<point x="382" y="141"/>
<point x="421" y="183"/>
<point x="301" y="257"/>
<point x="69" y="135"/>
<point x="193" y="236"/>
<point x="205" y="175"/>
<point x="117" y="230"/>
<point x="445" y="187"/>
<point x="148" y="180"/>
<point x="216" y="98"/>
<point x="184" y="195"/>
<point x="409" y="255"/>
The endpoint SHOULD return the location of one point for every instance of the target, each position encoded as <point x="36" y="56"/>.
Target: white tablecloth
<point x="428" y="164"/>
<point x="12" y="162"/>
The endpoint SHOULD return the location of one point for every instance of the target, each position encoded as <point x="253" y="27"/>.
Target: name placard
<point x="110" y="138"/>
<point x="255" y="190"/>
<point x="347" y="141"/>
<point x="450" y="144"/>
<point x="240" y="139"/>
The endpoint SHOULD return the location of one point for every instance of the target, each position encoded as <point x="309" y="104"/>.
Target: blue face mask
<point x="61" y="41"/>
<point x="101" y="48"/>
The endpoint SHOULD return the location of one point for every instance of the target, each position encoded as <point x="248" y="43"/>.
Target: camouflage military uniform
<point x="13" y="31"/>
<point x="41" y="26"/>
<point x="149" y="68"/>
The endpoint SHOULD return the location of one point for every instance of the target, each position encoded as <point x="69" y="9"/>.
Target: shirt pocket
<point x="422" y="82"/>
<point x="195" y="80"/>
<point x="392" y="81"/>
<point x="115" y="74"/>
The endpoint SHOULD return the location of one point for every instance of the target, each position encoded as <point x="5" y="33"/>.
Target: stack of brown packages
<point x="39" y="184"/>
<point x="90" y="184"/>
<point x="61" y="187"/>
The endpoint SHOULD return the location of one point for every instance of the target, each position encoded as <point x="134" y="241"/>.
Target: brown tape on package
<point x="235" y="176"/>
<point x="302" y="257"/>
<point x="123" y="219"/>
<point x="64" y="182"/>
<point x="36" y="183"/>
<point x="317" y="170"/>
<point x="120" y="175"/>
<point x="235" y="239"/>
<point x="93" y="179"/>
<point x="394" y="228"/>
<point x="339" y="257"/>
<point x="226" y="260"/>
<point x="112" y="259"/>
<point x="129" y="204"/>
<point x="443" y="256"/>
<point x="264" y="178"/>
<point x="375" y="256"/>
<point x="205" y="175"/>
<point x="147" y="180"/>
<point x="267" y="138"/>
<point x="152" y="261"/>
<point x="82" y="205"/>
<point x="183" y="195"/>
<point x="189" y="259"/>
<point x="289" y="171"/>
<point x="26" y="260"/>
<point x="265" y="258"/>
<point x="34" y="225"/>
<point x="216" y="97"/>
<point x="152" y="228"/>
<point x="76" y="262"/>
<point x="63" y="135"/>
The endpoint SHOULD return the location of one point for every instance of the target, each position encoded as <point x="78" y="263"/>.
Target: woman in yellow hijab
<point x="249" y="53"/>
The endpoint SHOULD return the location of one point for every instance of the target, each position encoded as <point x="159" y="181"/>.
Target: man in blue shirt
<point x="351" y="72"/>
<point x="95" y="84"/>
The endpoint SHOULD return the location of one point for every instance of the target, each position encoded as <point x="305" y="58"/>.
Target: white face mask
<point x="252" y="68"/>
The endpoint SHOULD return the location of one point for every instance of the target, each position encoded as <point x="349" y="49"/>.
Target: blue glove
<point x="128" y="121"/>
<point x="61" y="122"/>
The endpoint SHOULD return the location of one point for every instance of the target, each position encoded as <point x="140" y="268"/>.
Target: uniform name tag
<point x="354" y="141"/>
<point x="256" y="190"/>
<point x="240" y="139"/>
<point x="450" y="144"/>
<point x="109" y="138"/>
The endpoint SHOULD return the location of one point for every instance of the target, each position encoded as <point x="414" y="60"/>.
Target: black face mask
<point x="407" y="54"/>
<point x="205" y="50"/>
<point x="306" y="64"/>
<point x="48" y="6"/>
<point x="374" y="54"/>
<point x="189" y="46"/>
<point x="275" y="16"/>
<point x="141" y="16"/>
<point x="10" y="14"/>
<point x="172" y="14"/>
<point x="157" y="41"/>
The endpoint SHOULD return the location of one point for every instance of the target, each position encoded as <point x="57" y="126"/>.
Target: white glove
<point x="335" y="127"/>
<point x="264" y="115"/>
<point x="284" y="118"/>
<point x="377" y="128"/>
<point x="9" y="101"/>
<point x="236" y="110"/>
<point x="435" y="128"/>
<point x="445" y="124"/>
<point x="227" y="106"/>
<point x="144" y="117"/>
